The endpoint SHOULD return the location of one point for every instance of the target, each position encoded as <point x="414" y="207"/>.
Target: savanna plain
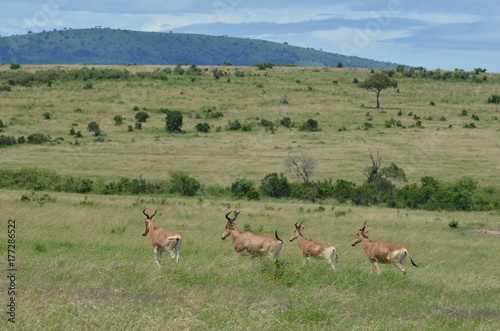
<point x="83" y="264"/>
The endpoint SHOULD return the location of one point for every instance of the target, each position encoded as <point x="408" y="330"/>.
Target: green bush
<point x="29" y="179"/>
<point x="7" y="141"/>
<point x="93" y="127"/>
<point x="141" y="116"/>
<point x="275" y="186"/>
<point x="183" y="184"/>
<point x="309" y="125"/>
<point x="241" y="187"/>
<point x="343" y="190"/>
<point x="286" y="122"/>
<point x="233" y="126"/>
<point x="203" y="127"/>
<point x="495" y="98"/>
<point x="173" y="121"/>
<point x="38" y="138"/>
<point x="118" y="119"/>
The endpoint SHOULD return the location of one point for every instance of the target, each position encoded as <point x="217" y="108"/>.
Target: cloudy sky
<point x="437" y="34"/>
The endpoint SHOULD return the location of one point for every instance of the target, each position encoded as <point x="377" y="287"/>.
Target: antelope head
<point x="147" y="220"/>
<point x="297" y="232"/>
<point x="360" y="235"/>
<point x="229" y="225"/>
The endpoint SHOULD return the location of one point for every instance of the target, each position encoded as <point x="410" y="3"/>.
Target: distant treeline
<point x="430" y="194"/>
<point x="41" y="77"/>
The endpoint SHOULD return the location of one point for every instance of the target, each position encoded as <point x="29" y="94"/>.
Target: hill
<point x="111" y="46"/>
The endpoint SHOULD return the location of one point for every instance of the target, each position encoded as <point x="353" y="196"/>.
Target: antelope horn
<point x="154" y="213"/>
<point x="363" y="228"/>
<point x="232" y="219"/>
<point x="144" y="212"/>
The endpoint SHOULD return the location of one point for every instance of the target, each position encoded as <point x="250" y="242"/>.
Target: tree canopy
<point x="378" y="82"/>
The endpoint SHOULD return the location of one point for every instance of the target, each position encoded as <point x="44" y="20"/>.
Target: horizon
<point x="446" y="35"/>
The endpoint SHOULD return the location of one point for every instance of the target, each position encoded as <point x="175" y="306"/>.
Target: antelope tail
<point x="276" y="235"/>
<point x="412" y="261"/>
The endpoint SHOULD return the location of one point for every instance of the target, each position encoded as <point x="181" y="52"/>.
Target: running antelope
<point x="380" y="252"/>
<point x="163" y="241"/>
<point x="249" y="244"/>
<point x="311" y="249"/>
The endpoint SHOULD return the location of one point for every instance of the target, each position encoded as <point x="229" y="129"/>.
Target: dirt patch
<point x="485" y="231"/>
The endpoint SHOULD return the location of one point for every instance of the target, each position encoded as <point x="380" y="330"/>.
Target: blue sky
<point x="439" y="34"/>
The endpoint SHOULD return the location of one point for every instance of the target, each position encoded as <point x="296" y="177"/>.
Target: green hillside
<point x="110" y="46"/>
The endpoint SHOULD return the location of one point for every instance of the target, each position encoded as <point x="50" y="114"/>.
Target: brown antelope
<point x="380" y="252"/>
<point x="249" y="244"/>
<point x="162" y="240"/>
<point x="311" y="249"/>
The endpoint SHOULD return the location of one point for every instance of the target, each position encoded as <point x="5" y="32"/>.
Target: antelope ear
<point x="367" y="230"/>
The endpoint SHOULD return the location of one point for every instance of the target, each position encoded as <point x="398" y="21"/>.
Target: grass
<point x="83" y="263"/>
<point x="94" y="269"/>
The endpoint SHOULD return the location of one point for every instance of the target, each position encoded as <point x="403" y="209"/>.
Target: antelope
<point x="311" y="249"/>
<point x="380" y="252"/>
<point x="249" y="244"/>
<point x="162" y="240"/>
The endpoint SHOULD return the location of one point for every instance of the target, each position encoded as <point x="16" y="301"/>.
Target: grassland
<point x="83" y="264"/>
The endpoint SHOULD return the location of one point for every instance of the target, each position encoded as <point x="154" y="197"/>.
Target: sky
<point x="438" y="34"/>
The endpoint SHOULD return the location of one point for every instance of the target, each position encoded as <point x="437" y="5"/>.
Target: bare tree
<point x="301" y="167"/>
<point x="375" y="172"/>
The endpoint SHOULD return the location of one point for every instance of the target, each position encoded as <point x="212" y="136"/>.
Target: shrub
<point x="7" y="141"/>
<point x="233" y="126"/>
<point x="203" y="127"/>
<point x="47" y="115"/>
<point x="93" y="126"/>
<point x="343" y="190"/>
<point x="453" y="224"/>
<point x="286" y="122"/>
<point x="495" y="98"/>
<point x="5" y="88"/>
<point x="309" y="125"/>
<point x="275" y="186"/>
<point x="241" y="187"/>
<point x="118" y="119"/>
<point x="38" y="138"/>
<point x="173" y="121"/>
<point x="141" y="116"/>
<point x="183" y="183"/>
<point x="264" y="65"/>
<point x="246" y="127"/>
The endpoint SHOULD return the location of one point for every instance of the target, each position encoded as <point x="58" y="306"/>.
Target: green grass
<point x="92" y="276"/>
<point x="83" y="263"/>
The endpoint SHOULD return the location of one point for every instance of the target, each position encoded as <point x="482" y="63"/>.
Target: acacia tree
<point x="378" y="82"/>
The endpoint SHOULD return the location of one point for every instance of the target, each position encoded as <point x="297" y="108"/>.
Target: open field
<point x="435" y="149"/>
<point x="83" y="264"/>
<point x="81" y="260"/>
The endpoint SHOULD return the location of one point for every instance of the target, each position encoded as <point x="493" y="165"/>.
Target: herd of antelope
<point x="249" y="244"/>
